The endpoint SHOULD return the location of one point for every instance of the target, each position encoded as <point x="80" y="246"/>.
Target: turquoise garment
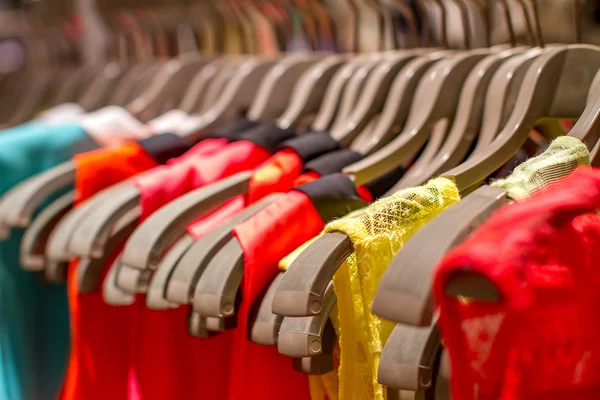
<point x="34" y="320"/>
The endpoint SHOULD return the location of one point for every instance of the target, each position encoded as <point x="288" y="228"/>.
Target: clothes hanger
<point x="480" y="204"/>
<point x="221" y="68"/>
<point x="497" y="71"/>
<point x="155" y="297"/>
<point x="410" y="361"/>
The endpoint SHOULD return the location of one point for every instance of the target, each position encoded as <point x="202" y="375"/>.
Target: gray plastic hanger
<point x="177" y="273"/>
<point x="408" y="357"/>
<point x="170" y="82"/>
<point x="467" y="124"/>
<point x="192" y="102"/>
<point x="264" y="326"/>
<point x="34" y="240"/>
<point x="154" y="295"/>
<point x="404" y="294"/>
<point x="372" y="97"/>
<point x="89" y="269"/>
<point x="304" y="336"/>
<point x="226" y="275"/>
<point x="331" y="99"/>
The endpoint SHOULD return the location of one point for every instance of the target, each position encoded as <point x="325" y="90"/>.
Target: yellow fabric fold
<point x="377" y="232"/>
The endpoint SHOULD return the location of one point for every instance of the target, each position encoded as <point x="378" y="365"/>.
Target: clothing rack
<point x="300" y="199"/>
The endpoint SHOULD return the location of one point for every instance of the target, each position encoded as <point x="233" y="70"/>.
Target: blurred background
<point x="46" y="32"/>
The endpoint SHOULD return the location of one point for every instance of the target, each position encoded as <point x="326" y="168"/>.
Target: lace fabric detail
<point x="540" y="340"/>
<point x="560" y="159"/>
<point x="377" y="233"/>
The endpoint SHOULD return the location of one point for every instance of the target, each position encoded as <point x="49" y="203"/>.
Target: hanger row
<point x="381" y="104"/>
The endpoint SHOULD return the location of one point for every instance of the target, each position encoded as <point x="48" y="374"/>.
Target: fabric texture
<point x="196" y="168"/>
<point x="377" y="233"/>
<point x="538" y="341"/>
<point x="266" y="238"/>
<point x="182" y="375"/>
<point x="34" y="327"/>
<point x="99" y="357"/>
<point x="562" y="156"/>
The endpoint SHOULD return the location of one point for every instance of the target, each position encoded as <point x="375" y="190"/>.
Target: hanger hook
<point x="527" y="16"/>
<point x="409" y="17"/>
<point x="578" y="20"/>
<point x="466" y="25"/>
<point x="483" y="7"/>
<point x="509" y="22"/>
<point x="443" y="33"/>
<point x="538" y="25"/>
<point x="425" y="38"/>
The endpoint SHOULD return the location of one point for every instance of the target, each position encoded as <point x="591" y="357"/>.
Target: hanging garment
<point x="538" y="341"/>
<point x="34" y="336"/>
<point x="187" y="173"/>
<point x="181" y="375"/>
<point x="379" y="232"/>
<point x="97" y="356"/>
<point x="265" y="238"/>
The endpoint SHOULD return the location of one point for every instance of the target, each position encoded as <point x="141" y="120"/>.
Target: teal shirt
<point x="34" y="319"/>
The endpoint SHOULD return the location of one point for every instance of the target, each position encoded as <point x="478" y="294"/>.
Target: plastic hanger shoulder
<point x="275" y="91"/>
<point x="442" y="84"/>
<point x="311" y="90"/>
<point x="24" y="199"/>
<point x="555" y="86"/>
<point x="467" y="123"/>
<point x="147" y="244"/>
<point x="34" y="240"/>
<point x="155" y="299"/>
<point x="185" y="274"/>
<point x="331" y="99"/>
<point x="397" y="103"/>
<point x="408" y="357"/>
<point x="372" y="97"/>
<point x="191" y="101"/>
<point x="404" y="294"/>
<point x="302" y="290"/>
<point x="264" y="324"/>
<point x="212" y="298"/>
<point x="171" y="81"/>
<point x="236" y="97"/>
<point x="88" y="237"/>
<point x="303" y="336"/>
<point x="89" y="270"/>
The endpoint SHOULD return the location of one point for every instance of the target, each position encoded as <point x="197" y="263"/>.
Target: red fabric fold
<point x="540" y="340"/>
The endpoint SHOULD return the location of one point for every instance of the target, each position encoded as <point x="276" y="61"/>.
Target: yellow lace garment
<point x="562" y="156"/>
<point x="378" y="232"/>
